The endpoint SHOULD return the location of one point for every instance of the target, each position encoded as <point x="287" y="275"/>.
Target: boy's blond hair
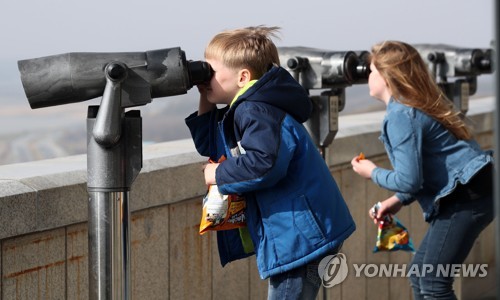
<point x="250" y="48"/>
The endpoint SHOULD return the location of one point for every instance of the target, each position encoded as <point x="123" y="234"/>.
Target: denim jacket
<point x="427" y="160"/>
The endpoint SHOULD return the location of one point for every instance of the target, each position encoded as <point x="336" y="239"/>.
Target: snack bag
<point x="392" y="235"/>
<point x="222" y="212"/>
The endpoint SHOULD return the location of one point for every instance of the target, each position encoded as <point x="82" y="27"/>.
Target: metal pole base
<point x="109" y="244"/>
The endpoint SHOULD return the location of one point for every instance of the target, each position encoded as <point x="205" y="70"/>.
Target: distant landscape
<point x="27" y="135"/>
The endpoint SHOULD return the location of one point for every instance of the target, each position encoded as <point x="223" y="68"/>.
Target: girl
<point x="434" y="160"/>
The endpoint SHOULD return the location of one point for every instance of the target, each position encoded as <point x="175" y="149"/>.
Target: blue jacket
<point x="428" y="161"/>
<point x="295" y="212"/>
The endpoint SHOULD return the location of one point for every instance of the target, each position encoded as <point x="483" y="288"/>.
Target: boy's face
<point x="224" y="84"/>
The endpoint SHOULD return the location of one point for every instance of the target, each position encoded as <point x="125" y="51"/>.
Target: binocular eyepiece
<point x="199" y="72"/>
<point x="75" y="77"/>
<point x="322" y="69"/>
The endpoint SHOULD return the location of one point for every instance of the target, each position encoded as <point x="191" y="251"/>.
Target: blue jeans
<point x="448" y="241"/>
<point x="300" y="283"/>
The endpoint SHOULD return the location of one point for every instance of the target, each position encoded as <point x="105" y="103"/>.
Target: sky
<point x="32" y="29"/>
<point x="38" y="28"/>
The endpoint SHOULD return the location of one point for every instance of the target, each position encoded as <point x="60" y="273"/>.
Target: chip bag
<point x="222" y="212"/>
<point x="392" y="235"/>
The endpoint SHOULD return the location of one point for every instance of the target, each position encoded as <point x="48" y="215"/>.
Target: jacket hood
<point x="278" y="88"/>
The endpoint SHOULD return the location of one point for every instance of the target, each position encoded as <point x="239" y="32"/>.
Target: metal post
<point x="114" y="159"/>
<point x="111" y="172"/>
<point x="323" y="123"/>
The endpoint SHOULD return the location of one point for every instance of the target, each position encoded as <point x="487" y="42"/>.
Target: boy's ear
<point x="244" y="76"/>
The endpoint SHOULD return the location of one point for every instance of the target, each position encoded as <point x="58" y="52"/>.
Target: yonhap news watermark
<point x="405" y="270"/>
<point x="333" y="270"/>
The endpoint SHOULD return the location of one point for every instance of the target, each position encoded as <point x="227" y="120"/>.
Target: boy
<point x="295" y="213"/>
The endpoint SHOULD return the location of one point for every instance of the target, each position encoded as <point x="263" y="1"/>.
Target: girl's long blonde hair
<point x="411" y="83"/>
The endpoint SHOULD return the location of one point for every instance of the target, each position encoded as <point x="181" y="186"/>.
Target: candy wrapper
<point x="392" y="235"/>
<point x="222" y="212"/>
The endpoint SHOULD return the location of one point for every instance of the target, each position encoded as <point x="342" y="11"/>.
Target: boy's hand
<point x="202" y="89"/>
<point x="209" y="171"/>
<point x="204" y="105"/>
<point x="363" y="167"/>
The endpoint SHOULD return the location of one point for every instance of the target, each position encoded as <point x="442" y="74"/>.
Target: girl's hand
<point x="363" y="167"/>
<point x="390" y="205"/>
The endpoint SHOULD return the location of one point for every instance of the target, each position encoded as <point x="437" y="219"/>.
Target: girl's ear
<point x="244" y="76"/>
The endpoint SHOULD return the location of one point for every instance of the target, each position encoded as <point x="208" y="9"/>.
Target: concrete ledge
<point x="47" y="194"/>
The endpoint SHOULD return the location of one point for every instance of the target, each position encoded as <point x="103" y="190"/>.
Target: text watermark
<point x="333" y="270"/>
